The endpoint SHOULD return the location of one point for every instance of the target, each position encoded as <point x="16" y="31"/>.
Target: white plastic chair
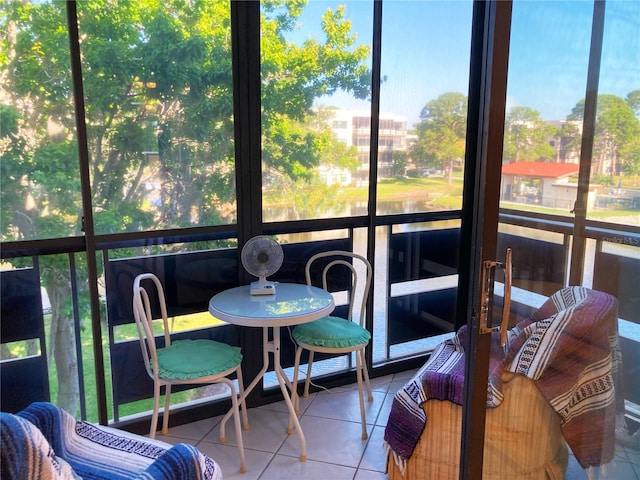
<point x="184" y="362"/>
<point x="334" y="334"/>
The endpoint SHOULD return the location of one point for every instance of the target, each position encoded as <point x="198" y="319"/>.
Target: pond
<point x="387" y="207"/>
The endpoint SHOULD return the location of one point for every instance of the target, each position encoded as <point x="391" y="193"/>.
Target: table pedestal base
<point x="284" y="382"/>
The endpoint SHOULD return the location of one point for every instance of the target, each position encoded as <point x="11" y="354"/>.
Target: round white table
<point x="292" y="304"/>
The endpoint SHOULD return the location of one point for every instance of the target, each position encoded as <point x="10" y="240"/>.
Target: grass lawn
<point x="124" y="332"/>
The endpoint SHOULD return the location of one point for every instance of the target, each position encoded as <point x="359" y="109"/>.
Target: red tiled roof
<point x="540" y="169"/>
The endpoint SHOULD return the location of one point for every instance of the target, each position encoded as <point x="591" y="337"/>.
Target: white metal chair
<point x="333" y="334"/>
<point x="184" y="361"/>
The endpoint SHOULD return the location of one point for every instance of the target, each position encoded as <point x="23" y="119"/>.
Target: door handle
<point x="506" y="307"/>
<point x="488" y="276"/>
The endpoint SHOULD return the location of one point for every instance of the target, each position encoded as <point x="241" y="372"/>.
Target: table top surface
<point x="292" y="304"/>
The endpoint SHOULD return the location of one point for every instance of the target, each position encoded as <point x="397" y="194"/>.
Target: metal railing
<point x="610" y="266"/>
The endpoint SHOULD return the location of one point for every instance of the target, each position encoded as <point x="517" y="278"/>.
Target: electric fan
<point x="262" y="256"/>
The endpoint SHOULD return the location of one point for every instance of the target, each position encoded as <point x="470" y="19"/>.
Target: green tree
<point x="399" y="163"/>
<point x="570" y="140"/>
<point x="631" y="150"/>
<point x="441" y="133"/>
<point x="159" y="109"/>
<point x="295" y="137"/>
<point x="40" y="187"/>
<point x="527" y="136"/>
<point x="617" y="130"/>
<point x="633" y="100"/>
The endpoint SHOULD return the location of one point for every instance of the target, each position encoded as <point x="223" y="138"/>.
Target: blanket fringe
<point x="400" y="462"/>
<point x="602" y="469"/>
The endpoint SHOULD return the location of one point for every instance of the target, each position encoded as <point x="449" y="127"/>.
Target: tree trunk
<point x="64" y="349"/>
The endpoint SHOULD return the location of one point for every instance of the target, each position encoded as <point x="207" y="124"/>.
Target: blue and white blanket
<point x="45" y="442"/>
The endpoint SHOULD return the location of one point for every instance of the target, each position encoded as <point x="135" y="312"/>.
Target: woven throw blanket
<point x="97" y="452"/>
<point x="26" y="454"/>
<point x="568" y="347"/>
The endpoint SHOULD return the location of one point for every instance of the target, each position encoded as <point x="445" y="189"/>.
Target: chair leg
<point x="308" y="379"/>
<point x="165" y="414"/>
<point x="366" y="375"/>
<point x="156" y="407"/>
<point x="363" y="417"/>
<point x="232" y="411"/>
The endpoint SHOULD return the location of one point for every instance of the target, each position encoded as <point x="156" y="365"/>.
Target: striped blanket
<point x="45" y="442"/>
<point x="568" y="348"/>
<point x="26" y="453"/>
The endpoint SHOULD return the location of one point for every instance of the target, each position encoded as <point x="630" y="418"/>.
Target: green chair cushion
<point x="188" y="359"/>
<point x="331" y="332"/>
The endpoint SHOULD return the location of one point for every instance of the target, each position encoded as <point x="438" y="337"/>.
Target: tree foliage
<point x="159" y="106"/>
<point x="617" y="129"/>
<point x="633" y="100"/>
<point x="527" y="136"/>
<point x="157" y="79"/>
<point x="441" y="132"/>
<point x="293" y="76"/>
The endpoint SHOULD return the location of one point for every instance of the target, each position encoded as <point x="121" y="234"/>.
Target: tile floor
<point x="331" y="422"/>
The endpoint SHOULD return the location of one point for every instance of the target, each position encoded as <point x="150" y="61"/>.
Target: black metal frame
<point x="489" y="58"/>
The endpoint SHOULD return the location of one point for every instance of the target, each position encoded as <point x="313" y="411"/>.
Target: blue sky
<point x="426" y="51"/>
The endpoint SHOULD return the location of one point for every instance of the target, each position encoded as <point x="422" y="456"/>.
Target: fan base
<point x="262" y="288"/>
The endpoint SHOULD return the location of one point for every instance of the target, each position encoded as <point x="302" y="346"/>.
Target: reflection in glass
<point x="288" y="307"/>
<point x="615" y="166"/>
<point x="551" y="47"/>
<point x="548" y="60"/>
<point x="543" y="131"/>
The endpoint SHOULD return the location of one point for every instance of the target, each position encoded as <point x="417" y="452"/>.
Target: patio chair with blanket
<point x="558" y="383"/>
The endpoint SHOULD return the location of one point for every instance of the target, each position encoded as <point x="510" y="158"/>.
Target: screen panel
<point x="189" y="280"/>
